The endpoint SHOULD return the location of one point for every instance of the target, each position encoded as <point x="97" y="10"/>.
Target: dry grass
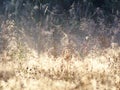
<point x="23" y="68"/>
<point x="95" y="72"/>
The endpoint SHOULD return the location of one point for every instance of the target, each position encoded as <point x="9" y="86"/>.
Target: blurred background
<point x="78" y="24"/>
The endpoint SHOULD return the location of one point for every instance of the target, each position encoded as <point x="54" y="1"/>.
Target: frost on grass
<point x="27" y="69"/>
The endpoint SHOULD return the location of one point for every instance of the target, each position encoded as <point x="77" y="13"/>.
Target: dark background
<point x="107" y="9"/>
